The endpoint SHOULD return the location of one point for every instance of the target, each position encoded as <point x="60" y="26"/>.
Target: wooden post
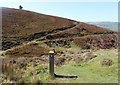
<point x="51" y="63"/>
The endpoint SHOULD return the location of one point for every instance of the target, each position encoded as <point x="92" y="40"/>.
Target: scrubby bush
<point x="106" y="62"/>
<point x="78" y="59"/>
<point x="59" y="61"/>
<point x="88" y="56"/>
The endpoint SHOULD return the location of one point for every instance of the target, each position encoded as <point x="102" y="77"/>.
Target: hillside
<point x="20" y="26"/>
<point x="86" y="51"/>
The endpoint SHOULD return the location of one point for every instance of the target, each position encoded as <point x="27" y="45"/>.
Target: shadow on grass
<point x="63" y="76"/>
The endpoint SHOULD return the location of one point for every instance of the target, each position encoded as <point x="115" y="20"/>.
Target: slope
<point x="21" y="26"/>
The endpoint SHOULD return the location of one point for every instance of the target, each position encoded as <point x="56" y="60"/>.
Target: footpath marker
<point x="51" y="63"/>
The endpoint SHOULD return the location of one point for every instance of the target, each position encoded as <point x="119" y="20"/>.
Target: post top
<point x="52" y="52"/>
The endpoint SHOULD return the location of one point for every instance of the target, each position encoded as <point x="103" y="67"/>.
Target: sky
<point x="80" y="11"/>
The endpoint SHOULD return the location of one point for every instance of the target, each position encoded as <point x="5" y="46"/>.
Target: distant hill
<point x="109" y="25"/>
<point x="20" y="26"/>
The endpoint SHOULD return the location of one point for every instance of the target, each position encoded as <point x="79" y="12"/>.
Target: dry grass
<point x="105" y="41"/>
<point x="21" y="26"/>
<point x="23" y="23"/>
<point x="30" y="50"/>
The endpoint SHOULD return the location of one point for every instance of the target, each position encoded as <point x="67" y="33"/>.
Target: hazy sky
<point x="81" y="11"/>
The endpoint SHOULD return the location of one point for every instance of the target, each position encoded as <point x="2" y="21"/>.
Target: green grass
<point x="92" y="71"/>
<point x="87" y="72"/>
